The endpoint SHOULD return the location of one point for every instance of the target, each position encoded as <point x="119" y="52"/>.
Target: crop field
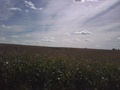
<point x="48" y="68"/>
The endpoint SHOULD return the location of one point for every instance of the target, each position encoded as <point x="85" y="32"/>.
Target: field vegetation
<point x="48" y="68"/>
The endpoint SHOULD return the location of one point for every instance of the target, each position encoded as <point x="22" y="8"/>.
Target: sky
<point x="61" y="23"/>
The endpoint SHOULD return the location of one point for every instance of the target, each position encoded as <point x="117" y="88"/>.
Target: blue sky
<point x="61" y="23"/>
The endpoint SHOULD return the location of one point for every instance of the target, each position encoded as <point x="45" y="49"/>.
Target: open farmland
<point x="48" y="68"/>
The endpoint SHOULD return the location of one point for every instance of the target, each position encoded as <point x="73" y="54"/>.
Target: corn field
<point x="47" y="68"/>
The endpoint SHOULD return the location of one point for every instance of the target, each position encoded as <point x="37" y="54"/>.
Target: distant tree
<point x="113" y="49"/>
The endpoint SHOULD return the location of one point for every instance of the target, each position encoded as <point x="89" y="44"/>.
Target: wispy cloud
<point x="31" y="5"/>
<point x="85" y="32"/>
<point x="82" y="1"/>
<point x="14" y="36"/>
<point x="28" y="35"/>
<point x="4" y="9"/>
<point x="5" y="27"/>
<point x="69" y="16"/>
<point x="61" y="23"/>
<point x="48" y="39"/>
<point x="67" y="34"/>
<point x="15" y="9"/>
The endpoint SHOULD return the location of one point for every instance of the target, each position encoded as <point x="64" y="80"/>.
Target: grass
<point x="43" y="68"/>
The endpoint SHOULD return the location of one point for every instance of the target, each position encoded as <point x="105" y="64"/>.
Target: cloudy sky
<point x="61" y="23"/>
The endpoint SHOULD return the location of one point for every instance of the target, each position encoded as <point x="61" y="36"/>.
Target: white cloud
<point x="67" y="34"/>
<point x="92" y="0"/>
<point x="77" y="1"/>
<point x="31" y="5"/>
<point x="14" y="36"/>
<point x="85" y="32"/>
<point x="5" y="27"/>
<point x="40" y="8"/>
<point x="28" y="35"/>
<point x="15" y="9"/>
<point x="48" y="39"/>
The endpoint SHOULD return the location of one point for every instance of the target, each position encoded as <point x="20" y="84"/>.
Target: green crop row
<point x="58" y="74"/>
